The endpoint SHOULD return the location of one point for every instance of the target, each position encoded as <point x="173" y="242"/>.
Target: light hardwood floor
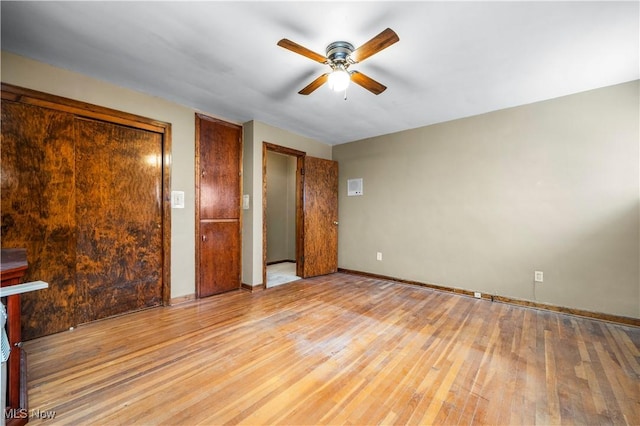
<point x="339" y="349"/>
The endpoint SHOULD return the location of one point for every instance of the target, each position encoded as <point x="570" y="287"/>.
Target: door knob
<point x="335" y="222"/>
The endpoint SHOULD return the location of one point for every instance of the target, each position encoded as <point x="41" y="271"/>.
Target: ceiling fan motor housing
<point x="338" y="53"/>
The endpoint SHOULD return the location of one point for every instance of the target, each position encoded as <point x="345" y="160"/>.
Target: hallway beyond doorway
<point x="281" y="273"/>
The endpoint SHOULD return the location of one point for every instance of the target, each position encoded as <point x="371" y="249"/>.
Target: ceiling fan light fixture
<point x="339" y="80"/>
<point x="340" y="55"/>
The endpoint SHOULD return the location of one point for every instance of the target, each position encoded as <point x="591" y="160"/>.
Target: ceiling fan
<point x="340" y="55"/>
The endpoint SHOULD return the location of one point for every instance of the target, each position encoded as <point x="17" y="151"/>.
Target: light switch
<point x="245" y="202"/>
<point x="177" y="199"/>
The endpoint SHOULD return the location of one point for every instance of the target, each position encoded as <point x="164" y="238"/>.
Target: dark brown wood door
<point x="320" y="205"/>
<point x="119" y="217"/>
<point x="38" y="210"/>
<point x="218" y="213"/>
<point x="217" y="238"/>
<point x="219" y="170"/>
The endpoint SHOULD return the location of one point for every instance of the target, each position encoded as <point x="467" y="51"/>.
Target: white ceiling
<point x="454" y="59"/>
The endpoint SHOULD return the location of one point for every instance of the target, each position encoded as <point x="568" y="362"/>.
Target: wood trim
<point x="275" y="262"/>
<point x="618" y="319"/>
<point x="218" y="120"/>
<point x="198" y="175"/>
<point x="283" y="150"/>
<point x="300" y="216"/>
<point x="266" y="146"/>
<point x="252" y="288"/>
<point x="167" y="162"/>
<point x="240" y="209"/>
<point x="183" y="299"/>
<point x="86" y="110"/>
<point x="82" y="109"/>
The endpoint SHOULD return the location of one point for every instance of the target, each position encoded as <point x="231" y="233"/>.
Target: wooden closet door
<point x="119" y="217"/>
<point x="38" y="210"/>
<point x="84" y="198"/>
<point x="219" y="215"/>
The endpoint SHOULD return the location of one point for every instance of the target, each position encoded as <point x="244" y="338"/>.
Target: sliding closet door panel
<point x="119" y="217"/>
<point x="38" y="210"/>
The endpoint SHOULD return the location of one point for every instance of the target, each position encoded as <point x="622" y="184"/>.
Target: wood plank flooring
<point x="338" y="349"/>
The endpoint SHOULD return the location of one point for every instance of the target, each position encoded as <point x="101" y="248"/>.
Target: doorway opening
<point x="281" y="273"/>
<point x="282" y="214"/>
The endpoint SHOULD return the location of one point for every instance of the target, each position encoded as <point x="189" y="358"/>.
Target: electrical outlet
<point x="378" y="256"/>
<point x="477" y="295"/>
<point x="538" y="276"/>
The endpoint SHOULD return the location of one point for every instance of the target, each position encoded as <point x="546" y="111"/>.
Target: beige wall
<point x="481" y="203"/>
<point x="255" y="133"/>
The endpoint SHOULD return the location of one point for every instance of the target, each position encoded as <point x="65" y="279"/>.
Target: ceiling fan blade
<point x="301" y="50"/>
<point x="367" y="82"/>
<point x="314" y="84"/>
<point x="383" y="40"/>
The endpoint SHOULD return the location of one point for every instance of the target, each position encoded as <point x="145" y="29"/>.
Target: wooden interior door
<point x="320" y="211"/>
<point x="219" y="162"/>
